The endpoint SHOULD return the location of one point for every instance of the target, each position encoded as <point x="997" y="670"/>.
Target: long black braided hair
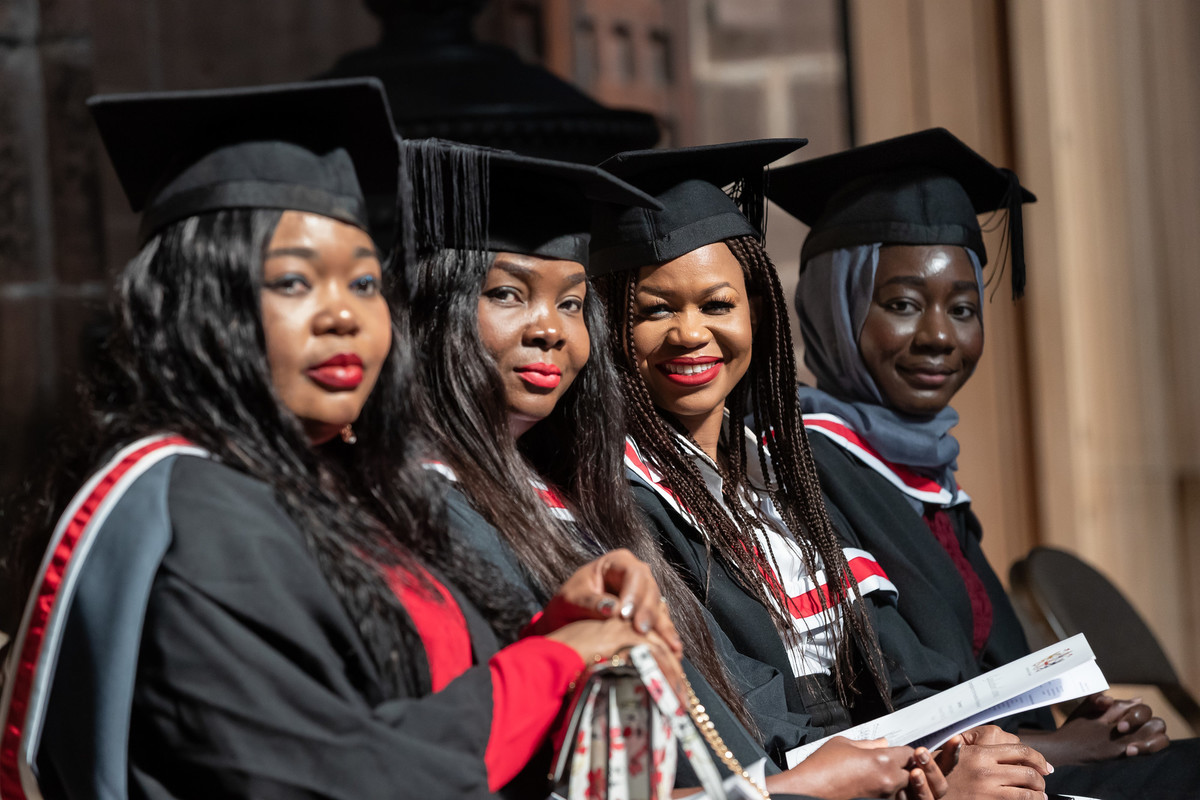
<point x="768" y="392"/>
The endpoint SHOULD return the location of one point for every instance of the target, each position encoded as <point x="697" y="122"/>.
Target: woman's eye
<point x="901" y="305"/>
<point x="289" y="284"/>
<point x="964" y="312"/>
<point x="571" y="305"/>
<point x="718" y="307"/>
<point x="366" y="286"/>
<point x="503" y="294"/>
<point x="654" y="311"/>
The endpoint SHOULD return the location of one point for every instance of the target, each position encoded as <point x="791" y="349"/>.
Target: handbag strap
<point x="692" y="726"/>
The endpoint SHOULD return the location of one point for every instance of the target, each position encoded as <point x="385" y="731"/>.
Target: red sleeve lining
<point x="529" y="681"/>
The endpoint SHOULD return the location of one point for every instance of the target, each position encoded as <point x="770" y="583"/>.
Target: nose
<point x="545" y="329"/>
<point x="337" y="314"/>
<point x="934" y="331"/>
<point x="689" y="331"/>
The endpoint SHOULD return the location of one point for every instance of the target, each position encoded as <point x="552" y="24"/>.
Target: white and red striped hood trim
<point x="30" y="671"/>
<point x="810" y="646"/>
<point x="805" y="594"/>
<point x="910" y="483"/>
<point x="640" y="469"/>
<point x="554" y="501"/>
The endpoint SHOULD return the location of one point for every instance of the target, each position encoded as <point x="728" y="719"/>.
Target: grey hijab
<point x="832" y="299"/>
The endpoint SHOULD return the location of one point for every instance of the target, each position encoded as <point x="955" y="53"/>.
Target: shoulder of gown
<point x="204" y="628"/>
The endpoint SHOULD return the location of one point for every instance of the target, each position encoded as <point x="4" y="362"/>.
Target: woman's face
<point x="923" y="334"/>
<point x="693" y="331"/>
<point x="531" y="321"/>
<point x="326" y="324"/>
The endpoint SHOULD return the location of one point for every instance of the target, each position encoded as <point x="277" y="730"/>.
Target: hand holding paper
<point x="987" y="762"/>
<point x="1060" y="672"/>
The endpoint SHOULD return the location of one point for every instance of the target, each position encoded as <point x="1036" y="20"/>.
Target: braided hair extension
<point x="578" y="450"/>
<point x="187" y="355"/>
<point x="768" y="390"/>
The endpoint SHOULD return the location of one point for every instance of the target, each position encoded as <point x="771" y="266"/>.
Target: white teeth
<point x="687" y="369"/>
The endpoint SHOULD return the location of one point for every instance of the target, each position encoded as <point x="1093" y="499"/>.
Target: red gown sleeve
<point x="530" y="680"/>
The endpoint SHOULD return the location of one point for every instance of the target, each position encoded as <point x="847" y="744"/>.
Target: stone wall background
<point x="51" y="236"/>
<point x="766" y="68"/>
<point x="711" y="70"/>
<point x="65" y="227"/>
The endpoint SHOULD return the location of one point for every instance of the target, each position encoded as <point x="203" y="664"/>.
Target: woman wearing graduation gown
<point x="700" y="336"/>
<point x="254" y="594"/>
<point x="527" y="417"/>
<point x="890" y="304"/>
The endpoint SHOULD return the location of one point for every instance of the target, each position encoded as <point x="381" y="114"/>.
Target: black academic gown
<point x="203" y="654"/>
<point x="933" y="599"/>
<point x="934" y="606"/>
<point x="762" y="686"/>
<point x="914" y="671"/>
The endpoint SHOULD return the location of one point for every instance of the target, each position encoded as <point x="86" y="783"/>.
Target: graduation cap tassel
<point x="439" y="220"/>
<point x="403" y="226"/>
<point x="447" y="187"/>
<point x="751" y="198"/>
<point x="1016" y="234"/>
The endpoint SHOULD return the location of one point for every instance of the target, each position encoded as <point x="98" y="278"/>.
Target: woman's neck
<point x="518" y="425"/>
<point x="705" y="429"/>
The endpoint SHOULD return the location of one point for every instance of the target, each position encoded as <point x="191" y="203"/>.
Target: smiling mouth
<point x="692" y="371"/>
<point x="927" y="378"/>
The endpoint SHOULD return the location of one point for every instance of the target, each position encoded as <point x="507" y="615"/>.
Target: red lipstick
<point x="691" y="370"/>
<point x="543" y="376"/>
<point x="340" y="373"/>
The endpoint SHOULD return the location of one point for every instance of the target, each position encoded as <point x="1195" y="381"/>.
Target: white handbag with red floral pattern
<point x="624" y="725"/>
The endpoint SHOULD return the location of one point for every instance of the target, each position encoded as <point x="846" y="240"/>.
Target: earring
<point x="348" y="434"/>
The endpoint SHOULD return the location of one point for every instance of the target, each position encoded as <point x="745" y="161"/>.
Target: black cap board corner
<point x="689" y="182"/>
<point x="322" y="146"/>
<point x="926" y="187"/>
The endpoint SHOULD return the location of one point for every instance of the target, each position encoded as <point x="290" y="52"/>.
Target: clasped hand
<point x="609" y="604"/>
<point x="1102" y="728"/>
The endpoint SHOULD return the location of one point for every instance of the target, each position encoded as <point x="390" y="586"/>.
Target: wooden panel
<point x="921" y="63"/>
<point x="885" y="88"/>
<point x="1109" y="327"/>
<point x="1171" y="43"/>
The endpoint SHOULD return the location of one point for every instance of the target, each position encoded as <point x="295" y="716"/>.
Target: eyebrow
<point x="516" y="270"/>
<point x="913" y="280"/>
<point x="310" y="254"/>
<point x="643" y="288"/>
<point x="524" y="273"/>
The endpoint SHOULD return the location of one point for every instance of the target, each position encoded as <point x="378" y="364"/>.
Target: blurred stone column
<point x="764" y="68"/>
<point x="51" y="244"/>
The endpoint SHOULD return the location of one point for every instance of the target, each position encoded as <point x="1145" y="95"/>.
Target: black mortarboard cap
<point x="696" y="211"/>
<point x="922" y="188"/>
<point x="530" y="205"/>
<point x="323" y="147"/>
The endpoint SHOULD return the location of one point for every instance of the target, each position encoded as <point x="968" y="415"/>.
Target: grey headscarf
<point x="832" y="298"/>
